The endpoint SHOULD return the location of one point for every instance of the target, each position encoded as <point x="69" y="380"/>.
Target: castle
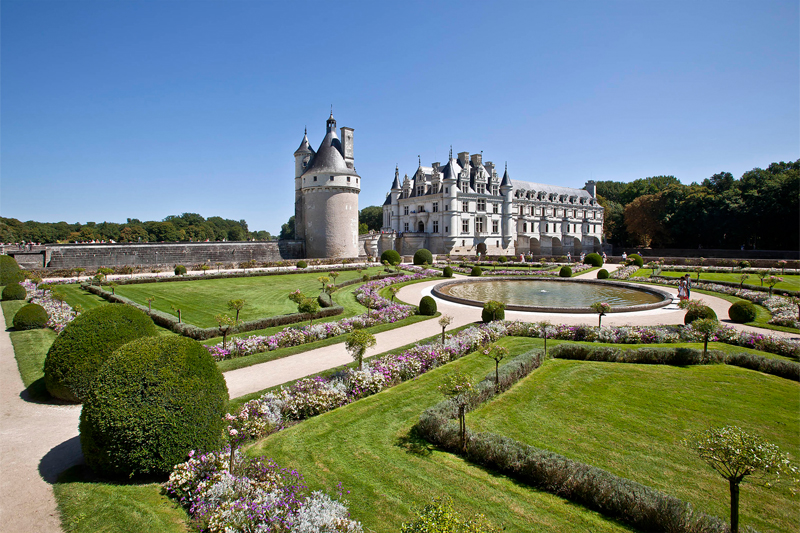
<point x="464" y="209"/>
<point x="326" y="188"/>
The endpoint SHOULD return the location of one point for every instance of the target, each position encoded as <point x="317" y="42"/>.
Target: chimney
<point x="347" y="144"/>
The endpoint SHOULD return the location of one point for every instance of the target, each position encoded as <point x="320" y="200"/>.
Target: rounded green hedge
<point x="180" y="270"/>
<point x="427" y="306"/>
<point x="423" y="256"/>
<point x="637" y="260"/>
<point x="742" y="312"/>
<point x="698" y="313"/>
<point x="154" y="400"/>
<point x="602" y="274"/>
<point x="14" y="291"/>
<point x="81" y="349"/>
<point x="565" y="272"/>
<point x="447" y="272"/>
<point x="325" y="300"/>
<point x="476" y="271"/>
<point x="30" y="316"/>
<point x="9" y="270"/>
<point x="302" y="264"/>
<point x="493" y="310"/>
<point x="502" y="259"/>
<point x="593" y="259"/>
<point x="391" y="256"/>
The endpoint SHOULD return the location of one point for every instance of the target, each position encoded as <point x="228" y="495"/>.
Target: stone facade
<point x="326" y="196"/>
<point x="463" y="208"/>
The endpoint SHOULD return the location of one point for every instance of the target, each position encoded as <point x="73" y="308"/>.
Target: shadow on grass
<point x="60" y="458"/>
<point x="414" y="443"/>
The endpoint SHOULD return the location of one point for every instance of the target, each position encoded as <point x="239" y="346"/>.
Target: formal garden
<point x="542" y="427"/>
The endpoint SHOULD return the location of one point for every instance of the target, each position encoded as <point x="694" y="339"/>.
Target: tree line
<point x="761" y="210"/>
<point x="186" y="227"/>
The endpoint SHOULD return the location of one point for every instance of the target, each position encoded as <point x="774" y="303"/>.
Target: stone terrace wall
<point x="62" y="256"/>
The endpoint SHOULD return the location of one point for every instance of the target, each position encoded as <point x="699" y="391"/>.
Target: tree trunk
<point x="705" y="345"/>
<point x="443" y="335"/>
<point x="497" y="376"/>
<point x="462" y="425"/>
<point x="179" y="316"/>
<point x="734" y="505"/>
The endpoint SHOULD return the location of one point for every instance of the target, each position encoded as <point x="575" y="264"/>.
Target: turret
<point x="509" y="230"/>
<point x="302" y="158"/>
<point x="395" y="195"/>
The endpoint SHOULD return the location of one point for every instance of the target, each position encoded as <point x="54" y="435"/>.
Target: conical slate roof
<point x="329" y="159"/>
<point x="305" y="146"/>
<point x="506" y="180"/>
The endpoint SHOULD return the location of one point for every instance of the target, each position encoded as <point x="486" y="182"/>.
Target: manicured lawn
<point x="630" y="420"/>
<point x="77" y="296"/>
<point x="366" y="446"/>
<point x="790" y="281"/>
<point x="201" y="300"/>
<point x="91" y="506"/>
<point x="30" y="350"/>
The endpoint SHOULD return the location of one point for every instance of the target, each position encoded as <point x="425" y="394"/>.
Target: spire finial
<point x="305" y="130"/>
<point x="451" y="152"/>
<point x="331" y="110"/>
<point x="420" y="161"/>
<point x="506" y="166"/>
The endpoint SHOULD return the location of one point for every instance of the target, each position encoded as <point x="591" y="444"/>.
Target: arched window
<point x="421" y="226"/>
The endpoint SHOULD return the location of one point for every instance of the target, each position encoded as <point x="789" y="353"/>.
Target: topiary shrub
<point x="180" y="270"/>
<point x="493" y="310"/>
<point x="502" y="259"/>
<point x="83" y="346"/>
<point x="447" y="272"/>
<point x="565" y="272"/>
<point x="476" y="272"/>
<point x="14" y="291"/>
<point x="302" y="264"/>
<point x="423" y="256"/>
<point x="593" y="259"/>
<point x="700" y="312"/>
<point x="153" y="401"/>
<point x="742" y="312"/>
<point x="602" y="274"/>
<point x="391" y="256"/>
<point x="427" y="306"/>
<point x="324" y="300"/>
<point x="636" y="259"/>
<point x="30" y="316"/>
<point x="9" y="270"/>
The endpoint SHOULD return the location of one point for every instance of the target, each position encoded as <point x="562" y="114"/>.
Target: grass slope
<point x="87" y="506"/>
<point x="630" y="419"/>
<point x="201" y="300"/>
<point x="366" y="446"/>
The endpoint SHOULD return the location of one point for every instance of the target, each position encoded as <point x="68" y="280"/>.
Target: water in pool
<point x="540" y="293"/>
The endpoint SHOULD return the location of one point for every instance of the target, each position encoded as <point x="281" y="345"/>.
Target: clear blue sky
<point x="118" y="109"/>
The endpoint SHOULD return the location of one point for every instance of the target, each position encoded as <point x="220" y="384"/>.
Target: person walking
<point x="624" y="256"/>
<point x="682" y="289"/>
<point x="688" y="286"/>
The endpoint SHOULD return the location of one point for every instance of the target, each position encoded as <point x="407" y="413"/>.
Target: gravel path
<point x="38" y="441"/>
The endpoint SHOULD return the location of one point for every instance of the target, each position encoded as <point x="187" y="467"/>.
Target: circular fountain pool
<point x="553" y="295"/>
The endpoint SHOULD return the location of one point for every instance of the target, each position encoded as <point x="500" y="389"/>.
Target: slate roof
<point x="541" y="187"/>
<point x="329" y="159"/>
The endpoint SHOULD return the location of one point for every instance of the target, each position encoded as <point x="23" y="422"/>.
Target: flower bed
<point x="382" y="311"/>
<point x="624" y="272"/>
<point x="783" y="309"/>
<point x="59" y="313"/>
<point x="258" y="495"/>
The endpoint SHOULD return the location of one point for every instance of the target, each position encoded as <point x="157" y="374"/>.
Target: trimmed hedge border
<point x="698" y="285"/>
<point x="170" y="322"/>
<point x="643" y="507"/>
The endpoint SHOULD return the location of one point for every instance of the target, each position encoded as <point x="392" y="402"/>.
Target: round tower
<point x="329" y="187"/>
<point x="302" y="158"/>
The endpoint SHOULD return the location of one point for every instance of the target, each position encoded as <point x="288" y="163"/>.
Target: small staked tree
<point x="236" y="305"/>
<point x="772" y="281"/>
<point x="226" y="325"/>
<point x="763" y="273"/>
<point x="204" y="267"/>
<point x="324" y="280"/>
<point x="782" y="264"/>
<point x="742" y="279"/>
<point x="547" y="331"/>
<point x="333" y="275"/>
<point x="99" y="277"/>
<point x="79" y="271"/>
<point x="706" y="327"/>
<point x="218" y="265"/>
<point x="177" y="311"/>
<point x="59" y="297"/>
<point x="394" y="290"/>
<point x="601" y="308"/>
<point x="150" y="300"/>
<point x="735" y="454"/>
<point x="113" y="287"/>
<point x="461" y="390"/>
<point x="310" y="306"/>
<point x="357" y="344"/>
<point x="496" y="353"/>
<point x="445" y="321"/>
